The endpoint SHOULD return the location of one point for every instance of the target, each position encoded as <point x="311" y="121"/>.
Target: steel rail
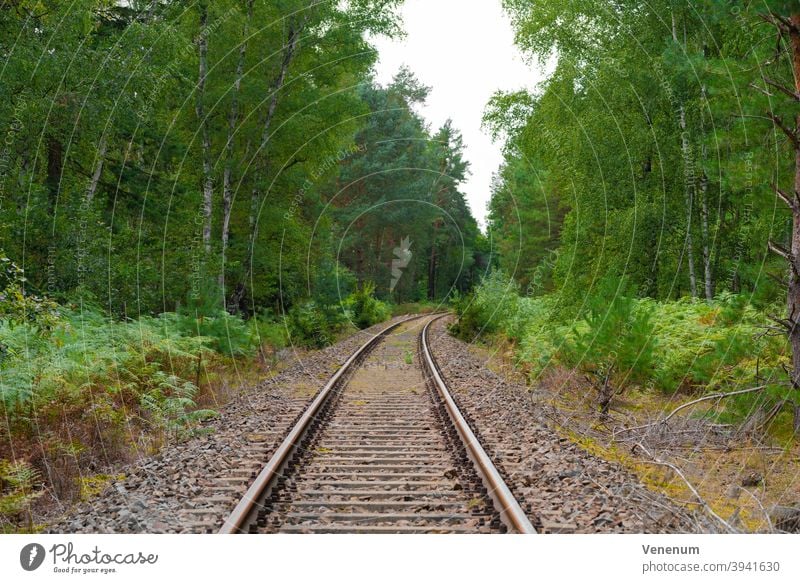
<point x="246" y="510"/>
<point x="510" y="511"/>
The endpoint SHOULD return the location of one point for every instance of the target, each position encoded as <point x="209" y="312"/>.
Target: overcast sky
<point x="465" y="52"/>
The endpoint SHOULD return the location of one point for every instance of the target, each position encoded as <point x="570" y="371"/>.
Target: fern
<point x="18" y="482"/>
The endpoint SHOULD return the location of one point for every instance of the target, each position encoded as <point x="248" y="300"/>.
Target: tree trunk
<point x="721" y="228"/>
<point x="233" y="118"/>
<point x="708" y="278"/>
<point x="98" y="170"/>
<point x="55" y="165"/>
<point x="208" y="181"/>
<point x="707" y="271"/>
<point x="794" y="259"/>
<point x="791" y="26"/>
<point x="433" y="262"/>
<point x="277" y="85"/>
<point x="432" y="271"/>
<point x="689" y="203"/>
<point x="689" y="185"/>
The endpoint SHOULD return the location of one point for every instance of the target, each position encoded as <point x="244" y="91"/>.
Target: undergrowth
<point x="81" y="391"/>
<point x="618" y="341"/>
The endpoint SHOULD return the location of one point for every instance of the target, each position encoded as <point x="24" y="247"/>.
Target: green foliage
<point x="614" y="338"/>
<point x="649" y="156"/>
<point x="268" y="331"/>
<point x="99" y="172"/>
<point x="667" y="346"/>
<point x="659" y="170"/>
<point x="314" y="324"/>
<point x="491" y="307"/>
<point x="220" y="331"/>
<point x="415" y="308"/>
<point x="85" y="355"/>
<point x="18" y="482"/>
<point x="17" y="305"/>
<point x="170" y="402"/>
<point x="722" y="346"/>
<point x="310" y="325"/>
<point x="366" y="309"/>
<point x="403" y="220"/>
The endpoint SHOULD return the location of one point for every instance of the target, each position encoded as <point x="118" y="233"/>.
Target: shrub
<point x="17" y="491"/>
<point x="620" y="340"/>
<point x="265" y="330"/>
<point x="614" y="339"/>
<point x="490" y="308"/>
<point x="541" y="339"/>
<point x="220" y="331"/>
<point x="309" y="325"/>
<point x="365" y="308"/>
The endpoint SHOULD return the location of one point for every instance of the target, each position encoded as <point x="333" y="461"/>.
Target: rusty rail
<point x="246" y="510"/>
<point x="504" y="502"/>
<point x="245" y="514"/>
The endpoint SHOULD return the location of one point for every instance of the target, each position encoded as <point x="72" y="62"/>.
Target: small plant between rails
<point x="383" y="448"/>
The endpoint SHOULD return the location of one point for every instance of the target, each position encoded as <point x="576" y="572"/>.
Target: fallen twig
<point x="654" y="460"/>
<point x="711" y="397"/>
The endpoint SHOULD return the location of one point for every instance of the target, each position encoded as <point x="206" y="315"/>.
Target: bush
<point x="614" y="339"/>
<point x="309" y="325"/>
<point x="87" y="353"/>
<point x="684" y="345"/>
<point x="365" y="308"/>
<point x="541" y="339"/>
<point x="490" y="308"/>
<point x="719" y="346"/>
<point x="221" y="332"/>
<point x="415" y="308"/>
<point x="266" y="330"/>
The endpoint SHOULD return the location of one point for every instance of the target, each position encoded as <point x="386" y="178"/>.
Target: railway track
<point x="382" y="448"/>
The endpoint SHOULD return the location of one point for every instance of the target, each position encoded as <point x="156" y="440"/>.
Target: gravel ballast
<point x="564" y="488"/>
<point x="190" y="487"/>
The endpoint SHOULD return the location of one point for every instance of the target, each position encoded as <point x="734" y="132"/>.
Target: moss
<point x="664" y="481"/>
<point x="91" y="486"/>
<point x="475" y="503"/>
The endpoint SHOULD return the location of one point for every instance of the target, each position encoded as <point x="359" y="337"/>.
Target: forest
<point x="189" y="191"/>
<point x="645" y="217"/>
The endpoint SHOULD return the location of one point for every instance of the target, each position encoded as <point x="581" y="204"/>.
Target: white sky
<point x="464" y="51"/>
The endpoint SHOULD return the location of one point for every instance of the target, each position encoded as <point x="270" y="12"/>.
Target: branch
<point x="677" y="470"/>
<point x="791" y="93"/>
<point x="713" y="396"/>
<point x="781" y="250"/>
<point x="785" y="198"/>
<point x="781" y="281"/>
<point x="690" y="403"/>
<point x="785" y="129"/>
<point x="760" y="505"/>
<point x="781" y="22"/>
<point x="761" y="90"/>
<point x="785" y="323"/>
<point x="293" y="163"/>
<point x="771" y="414"/>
